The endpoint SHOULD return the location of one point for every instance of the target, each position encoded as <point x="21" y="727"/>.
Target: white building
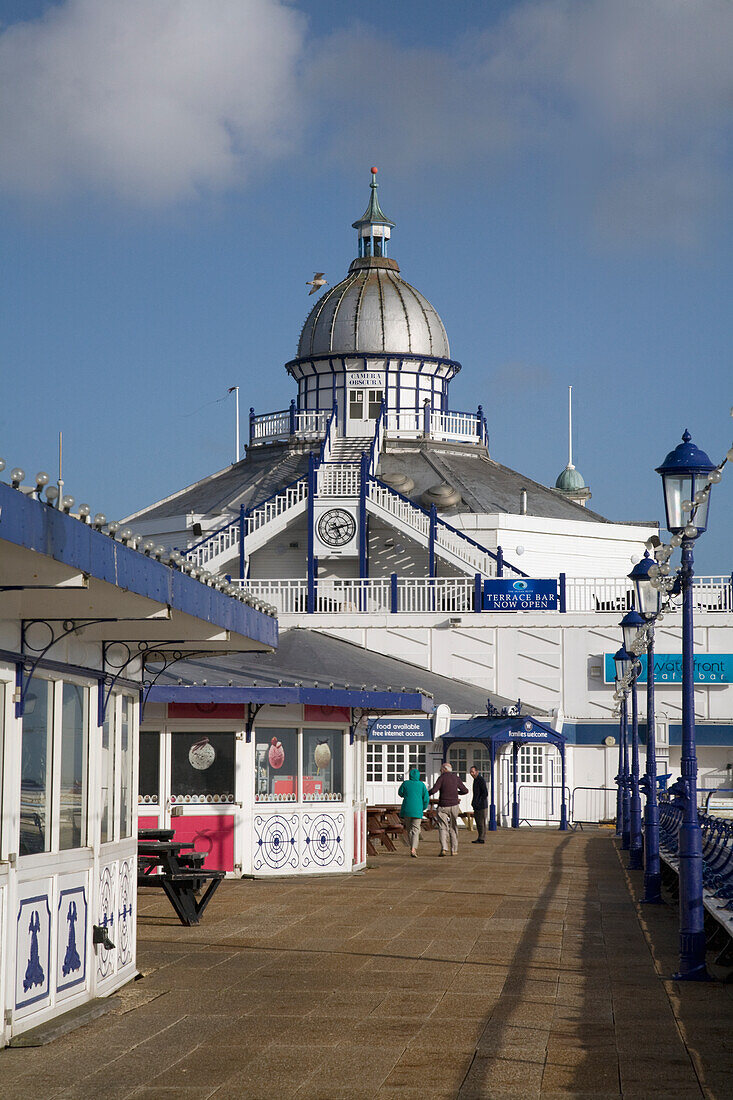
<point x="374" y="512"/>
<point x="80" y="615"/>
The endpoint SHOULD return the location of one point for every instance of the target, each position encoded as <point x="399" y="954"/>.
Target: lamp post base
<point x="692" y="959"/>
<point x="636" y="859"/>
<point x="652" y="889"/>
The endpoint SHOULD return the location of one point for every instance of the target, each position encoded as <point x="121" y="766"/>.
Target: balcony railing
<point x="426" y="423"/>
<point x="276" y="427"/>
<point x="457" y="595"/>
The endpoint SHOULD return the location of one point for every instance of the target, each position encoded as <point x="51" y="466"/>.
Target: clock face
<point x="336" y="527"/>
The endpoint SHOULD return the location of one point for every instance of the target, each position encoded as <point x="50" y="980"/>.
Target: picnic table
<point x="164" y="863"/>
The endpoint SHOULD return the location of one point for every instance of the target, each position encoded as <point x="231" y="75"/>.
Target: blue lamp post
<point x="685" y="476"/>
<point x="649" y="602"/>
<point x="630" y="625"/>
<point x="623" y="661"/>
<point x="620" y="776"/>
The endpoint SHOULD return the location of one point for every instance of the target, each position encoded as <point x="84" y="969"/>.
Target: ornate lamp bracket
<point x="37" y="637"/>
<point x="253" y="709"/>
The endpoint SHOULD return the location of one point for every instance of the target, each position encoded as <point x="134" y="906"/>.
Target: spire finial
<point x="570" y="426"/>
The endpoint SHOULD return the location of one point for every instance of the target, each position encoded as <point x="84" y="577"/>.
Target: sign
<point x="400" y="729"/>
<point x="502" y="594"/>
<point x="708" y="668"/>
<point x="371" y="378"/>
<point x="528" y="732"/>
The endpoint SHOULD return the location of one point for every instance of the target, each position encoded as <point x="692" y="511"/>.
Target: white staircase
<point x="345" y="449"/>
<point x="264" y="521"/>
<point x="461" y="552"/>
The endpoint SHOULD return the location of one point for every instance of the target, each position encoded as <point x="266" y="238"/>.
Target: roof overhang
<point x="404" y="701"/>
<point x="55" y="568"/>
<point x="504" y="730"/>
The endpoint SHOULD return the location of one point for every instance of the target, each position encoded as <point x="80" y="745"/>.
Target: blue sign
<point x="709" y="668"/>
<point x="401" y="729"/>
<point x="502" y="594"/>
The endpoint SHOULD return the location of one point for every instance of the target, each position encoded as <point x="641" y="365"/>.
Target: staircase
<point x="350" y="449"/>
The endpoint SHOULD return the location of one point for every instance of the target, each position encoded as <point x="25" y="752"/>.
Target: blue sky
<point x="560" y="176"/>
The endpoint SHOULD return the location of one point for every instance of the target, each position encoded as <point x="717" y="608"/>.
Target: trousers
<point x="448" y="827"/>
<point x="413" y="830"/>
<point x="480" y="816"/>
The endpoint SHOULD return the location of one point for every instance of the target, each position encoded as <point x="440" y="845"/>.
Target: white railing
<point x="454" y="425"/>
<point x="226" y="539"/>
<point x="413" y="423"/>
<point x="276" y="506"/>
<point x="616" y="594"/>
<point x="339" y="479"/>
<point x="270" y="427"/>
<point x="311" y="423"/>
<point x="479" y="561"/>
<point x="448" y="594"/>
<point x="401" y="508"/>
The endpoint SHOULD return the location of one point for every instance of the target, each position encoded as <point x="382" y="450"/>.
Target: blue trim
<point x="35" y="526"/>
<point x="363" y="528"/>
<point x="311" y="595"/>
<point x="393" y="598"/>
<point x="321" y="697"/>
<point x="83" y="956"/>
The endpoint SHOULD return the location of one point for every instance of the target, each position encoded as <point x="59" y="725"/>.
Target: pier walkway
<point x="521" y="968"/>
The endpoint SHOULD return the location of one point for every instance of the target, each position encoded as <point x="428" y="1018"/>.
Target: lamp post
<point x="630" y="625"/>
<point x="620" y="776"/>
<point x="685" y="476"/>
<point x="622" y="660"/>
<point x="649" y="602"/>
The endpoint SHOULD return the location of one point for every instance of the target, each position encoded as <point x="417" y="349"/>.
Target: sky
<point x="560" y="176"/>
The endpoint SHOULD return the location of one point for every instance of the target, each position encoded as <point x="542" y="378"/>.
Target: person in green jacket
<point x="415" y="801"/>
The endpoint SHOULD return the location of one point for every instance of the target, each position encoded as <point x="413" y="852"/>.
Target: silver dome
<point x="373" y="310"/>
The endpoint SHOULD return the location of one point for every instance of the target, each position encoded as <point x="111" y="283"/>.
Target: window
<point x="377" y="246"/>
<point x="395" y="763"/>
<point x="374" y="399"/>
<point x="126" y="733"/>
<point x="458" y="760"/>
<point x="149" y="776"/>
<point x="482" y="760"/>
<point x="531" y="769"/>
<point x="72" y="814"/>
<point x="417" y="758"/>
<point x="323" y="751"/>
<point x="276" y="765"/>
<point x="202" y="768"/>
<point x="374" y="768"/>
<point x="35" y="768"/>
<point x="356" y="404"/>
<point x="108" y="775"/>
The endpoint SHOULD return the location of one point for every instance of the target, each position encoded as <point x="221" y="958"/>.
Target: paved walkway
<point x="517" y="969"/>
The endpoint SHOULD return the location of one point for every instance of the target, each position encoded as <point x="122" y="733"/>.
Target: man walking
<point x="449" y="788"/>
<point x="480" y="803"/>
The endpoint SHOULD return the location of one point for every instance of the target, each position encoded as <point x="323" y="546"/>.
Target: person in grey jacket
<point x="449" y="787"/>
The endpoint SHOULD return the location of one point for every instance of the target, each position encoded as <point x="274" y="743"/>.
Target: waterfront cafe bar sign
<point x="709" y="668"/>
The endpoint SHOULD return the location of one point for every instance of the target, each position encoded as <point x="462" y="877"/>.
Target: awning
<point x="503" y="730"/>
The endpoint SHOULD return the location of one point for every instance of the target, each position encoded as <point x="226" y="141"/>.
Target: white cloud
<point x="149" y="99"/>
<point x="626" y="104"/>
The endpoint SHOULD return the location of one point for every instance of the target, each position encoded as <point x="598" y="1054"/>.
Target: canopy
<point x="514" y="730"/>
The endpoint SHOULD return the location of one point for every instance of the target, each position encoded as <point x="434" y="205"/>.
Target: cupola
<point x="373" y="227"/>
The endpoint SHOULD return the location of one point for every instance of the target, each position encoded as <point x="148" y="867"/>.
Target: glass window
<point x="126" y="731"/>
<point x="35" y="768"/>
<point x="356" y="404"/>
<point x="375" y="403"/>
<point x="276" y="765"/>
<point x="531" y="764"/>
<point x="395" y="763"/>
<point x="374" y="770"/>
<point x="108" y="774"/>
<point x="323" y="752"/>
<point x="482" y="760"/>
<point x="202" y="768"/>
<point x="417" y="758"/>
<point x="72" y="816"/>
<point x="458" y="760"/>
<point x="149" y="777"/>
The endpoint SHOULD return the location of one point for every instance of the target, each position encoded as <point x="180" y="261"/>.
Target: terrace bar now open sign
<point x="709" y="668"/>
<point x="504" y="594"/>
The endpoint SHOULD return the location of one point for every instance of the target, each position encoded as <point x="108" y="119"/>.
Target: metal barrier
<point x="599" y="804"/>
<point x="552" y="803"/>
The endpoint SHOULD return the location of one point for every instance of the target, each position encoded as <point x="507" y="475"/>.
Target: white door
<point x="464" y="757"/>
<point x="363" y="410"/>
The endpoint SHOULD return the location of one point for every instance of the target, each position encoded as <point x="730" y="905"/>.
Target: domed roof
<point x="570" y="480"/>
<point x="373" y="310"/>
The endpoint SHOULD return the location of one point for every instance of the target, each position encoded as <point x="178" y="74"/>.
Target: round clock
<point x="336" y="527"/>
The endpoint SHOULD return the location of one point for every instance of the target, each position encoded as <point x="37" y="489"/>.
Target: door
<point x="364" y="406"/>
<point x="464" y="757"/>
<point x="539" y="772"/>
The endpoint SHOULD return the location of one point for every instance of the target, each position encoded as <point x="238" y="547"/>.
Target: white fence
<point x="338" y="479"/>
<point x="447" y="594"/>
<point x="413" y="423"/>
<point x="270" y="427"/>
<point x="604" y="594"/>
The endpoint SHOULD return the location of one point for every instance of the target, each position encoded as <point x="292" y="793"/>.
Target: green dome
<point x="570" y="480"/>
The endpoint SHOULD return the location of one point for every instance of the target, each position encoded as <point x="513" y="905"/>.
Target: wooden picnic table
<point x="165" y="864"/>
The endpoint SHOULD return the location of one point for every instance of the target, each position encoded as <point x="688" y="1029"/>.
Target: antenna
<point x="570" y="425"/>
<point x="235" y="391"/>
<point x="60" y="481"/>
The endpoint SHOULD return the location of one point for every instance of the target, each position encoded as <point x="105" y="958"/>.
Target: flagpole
<point x="235" y="391"/>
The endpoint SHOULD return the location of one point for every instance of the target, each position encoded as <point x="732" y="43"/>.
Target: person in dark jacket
<point x="449" y="788"/>
<point x="415" y="801"/>
<point x="480" y="803"/>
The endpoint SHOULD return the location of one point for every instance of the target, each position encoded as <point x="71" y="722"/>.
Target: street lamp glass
<point x="631" y="624"/>
<point x="623" y="661"/>
<point x="685" y="472"/>
<point x="647" y="598"/>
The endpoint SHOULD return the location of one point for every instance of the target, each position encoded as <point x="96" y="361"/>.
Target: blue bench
<point x="717" y="870"/>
